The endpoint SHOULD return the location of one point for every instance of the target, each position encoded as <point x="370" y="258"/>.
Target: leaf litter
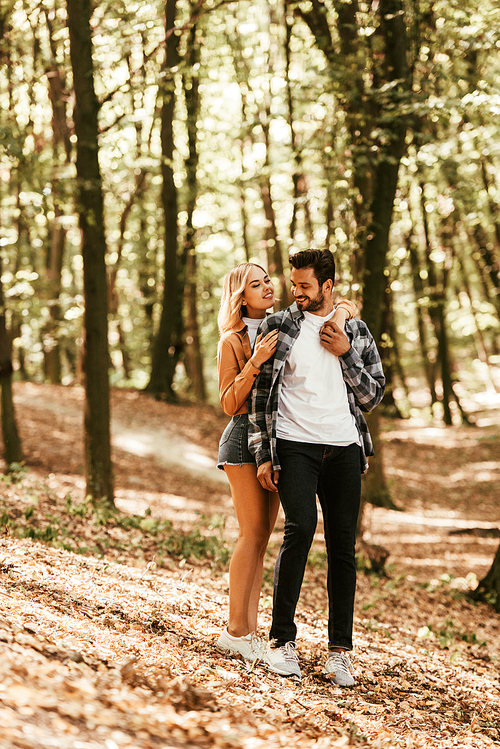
<point x="117" y="649"/>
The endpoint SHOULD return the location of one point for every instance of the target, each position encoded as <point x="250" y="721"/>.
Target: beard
<point x="312" y="304"/>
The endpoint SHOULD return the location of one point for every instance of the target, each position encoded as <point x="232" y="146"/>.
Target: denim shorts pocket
<point x="226" y="434"/>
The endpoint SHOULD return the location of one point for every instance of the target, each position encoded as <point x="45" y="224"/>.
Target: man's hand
<point x="333" y="339"/>
<point x="267" y="477"/>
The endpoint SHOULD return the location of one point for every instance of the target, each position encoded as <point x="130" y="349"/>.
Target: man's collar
<point x="295" y="312"/>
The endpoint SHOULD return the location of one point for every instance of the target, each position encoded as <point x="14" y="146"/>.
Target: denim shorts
<point x="233" y="445"/>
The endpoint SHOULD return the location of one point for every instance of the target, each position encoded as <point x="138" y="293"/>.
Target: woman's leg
<point x="253" y="604"/>
<point x="256" y="511"/>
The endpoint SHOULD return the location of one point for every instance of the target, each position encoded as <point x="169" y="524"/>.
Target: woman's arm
<point x="344" y="310"/>
<point x="234" y="384"/>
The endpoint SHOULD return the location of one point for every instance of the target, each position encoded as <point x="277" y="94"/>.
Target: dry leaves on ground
<point x="109" y="649"/>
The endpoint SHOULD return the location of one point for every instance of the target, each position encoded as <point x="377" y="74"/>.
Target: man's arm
<point x="362" y="369"/>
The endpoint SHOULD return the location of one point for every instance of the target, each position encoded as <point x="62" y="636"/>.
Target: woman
<point x="247" y="294"/>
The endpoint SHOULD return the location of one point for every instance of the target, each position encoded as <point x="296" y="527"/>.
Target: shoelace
<point x="289" y="652"/>
<point x="258" y="645"/>
<point x="342" y="664"/>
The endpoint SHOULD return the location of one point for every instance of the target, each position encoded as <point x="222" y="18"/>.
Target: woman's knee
<point x="257" y="541"/>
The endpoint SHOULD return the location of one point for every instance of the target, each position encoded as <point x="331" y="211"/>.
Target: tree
<point x="167" y="343"/>
<point x="91" y="220"/>
<point x="13" y="452"/>
<point x="193" y="359"/>
<point x="488" y="589"/>
<point x="61" y="149"/>
<point x="371" y="82"/>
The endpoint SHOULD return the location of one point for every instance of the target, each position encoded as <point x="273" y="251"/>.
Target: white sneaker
<point x="250" y="646"/>
<point x="283" y="660"/>
<point x="338" y="666"/>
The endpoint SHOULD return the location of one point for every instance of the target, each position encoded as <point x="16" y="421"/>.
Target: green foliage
<point x="246" y="134"/>
<point x="317" y="559"/>
<point x="110" y="530"/>
<point x="448" y="633"/>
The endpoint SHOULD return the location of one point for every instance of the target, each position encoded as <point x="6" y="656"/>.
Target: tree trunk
<point x="60" y="142"/>
<point x="91" y="219"/>
<point x="437" y="311"/>
<point x="375" y="158"/>
<point x="13" y="453"/>
<point x="298" y="178"/>
<point x="388" y="349"/>
<point x="167" y="345"/>
<point x="418" y="290"/>
<point x="488" y="589"/>
<point x="374" y="486"/>
<point x="273" y="244"/>
<point x="52" y="353"/>
<point x="193" y="359"/>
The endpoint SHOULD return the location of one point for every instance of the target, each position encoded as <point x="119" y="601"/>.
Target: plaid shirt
<point x="361" y="369"/>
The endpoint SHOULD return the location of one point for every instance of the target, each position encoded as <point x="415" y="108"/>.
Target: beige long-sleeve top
<point x="236" y="372"/>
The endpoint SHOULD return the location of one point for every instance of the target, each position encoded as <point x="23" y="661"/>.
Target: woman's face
<point x="258" y="295"/>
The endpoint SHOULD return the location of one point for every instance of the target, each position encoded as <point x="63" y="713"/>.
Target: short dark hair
<point x="321" y="261"/>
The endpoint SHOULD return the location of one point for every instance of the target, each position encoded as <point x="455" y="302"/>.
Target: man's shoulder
<point x="358" y="327"/>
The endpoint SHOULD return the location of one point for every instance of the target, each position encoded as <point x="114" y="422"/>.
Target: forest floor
<point x="108" y="621"/>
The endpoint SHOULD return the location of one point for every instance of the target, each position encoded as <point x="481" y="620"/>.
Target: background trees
<point x="236" y="130"/>
<point x="230" y="131"/>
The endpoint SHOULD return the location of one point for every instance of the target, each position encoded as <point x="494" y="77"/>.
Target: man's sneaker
<point x="339" y="668"/>
<point x="250" y="646"/>
<point x="283" y="660"/>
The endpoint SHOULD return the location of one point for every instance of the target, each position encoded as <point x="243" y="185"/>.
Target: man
<point x="309" y="437"/>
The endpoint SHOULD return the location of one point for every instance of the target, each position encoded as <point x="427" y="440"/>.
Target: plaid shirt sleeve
<point x="258" y="433"/>
<point x="362" y="367"/>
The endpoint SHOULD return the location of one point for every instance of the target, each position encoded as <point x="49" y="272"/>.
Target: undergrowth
<point x="32" y="511"/>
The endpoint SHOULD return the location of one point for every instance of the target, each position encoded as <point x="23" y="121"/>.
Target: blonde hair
<point x="232" y="295"/>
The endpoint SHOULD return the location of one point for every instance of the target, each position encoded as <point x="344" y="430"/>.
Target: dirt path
<point x="143" y="440"/>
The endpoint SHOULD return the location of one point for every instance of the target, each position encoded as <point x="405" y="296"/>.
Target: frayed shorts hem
<point x="227" y="463"/>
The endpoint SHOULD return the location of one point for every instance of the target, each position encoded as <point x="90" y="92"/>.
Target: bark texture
<point x="90" y="210"/>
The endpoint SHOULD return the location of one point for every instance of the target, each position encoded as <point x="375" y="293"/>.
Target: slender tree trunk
<point x="388" y="406"/>
<point x="482" y="350"/>
<point x="13" y="453"/>
<point x="52" y="351"/>
<point x="167" y="345"/>
<point x="60" y="143"/>
<point x="192" y="352"/>
<point x="90" y="209"/>
<point x="274" y="251"/>
<point x="298" y="178"/>
<point x="437" y="312"/>
<point x="418" y="290"/>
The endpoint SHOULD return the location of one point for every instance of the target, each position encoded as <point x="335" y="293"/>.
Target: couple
<point x="295" y="384"/>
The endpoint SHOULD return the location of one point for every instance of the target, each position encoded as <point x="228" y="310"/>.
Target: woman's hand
<point x="264" y="348"/>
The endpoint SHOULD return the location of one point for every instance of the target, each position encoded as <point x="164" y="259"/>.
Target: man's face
<point x="306" y="290"/>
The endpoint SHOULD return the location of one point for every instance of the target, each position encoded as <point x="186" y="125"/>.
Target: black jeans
<point x="334" y="474"/>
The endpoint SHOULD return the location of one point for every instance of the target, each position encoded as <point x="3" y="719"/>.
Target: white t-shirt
<point x="313" y="405"/>
<point x="252" y="326"/>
